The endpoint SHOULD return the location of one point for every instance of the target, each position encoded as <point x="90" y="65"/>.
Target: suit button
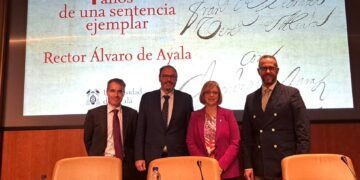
<point x="275" y="114"/>
<point x="275" y="146"/>
<point x="261" y="131"/>
<point x="254" y="116"/>
<point x="273" y="129"/>
<point x="259" y="146"/>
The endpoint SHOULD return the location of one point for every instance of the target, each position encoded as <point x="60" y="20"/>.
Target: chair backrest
<point x="317" y="166"/>
<point x="186" y="167"/>
<point x="88" y="168"/>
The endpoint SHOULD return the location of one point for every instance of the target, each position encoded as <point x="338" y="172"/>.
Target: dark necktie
<point x="117" y="135"/>
<point x="165" y="109"/>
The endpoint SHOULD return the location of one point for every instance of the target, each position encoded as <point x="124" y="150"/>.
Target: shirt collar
<point x="270" y="87"/>
<point x="111" y="108"/>
<point x="162" y="93"/>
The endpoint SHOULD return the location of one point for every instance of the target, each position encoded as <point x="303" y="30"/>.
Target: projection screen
<point x="72" y="48"/>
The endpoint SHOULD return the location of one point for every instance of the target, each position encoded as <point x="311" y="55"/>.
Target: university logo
<point x="92" y="97"/>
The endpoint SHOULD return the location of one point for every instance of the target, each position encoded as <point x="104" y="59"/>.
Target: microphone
<point x="343" y="159"/>
<point x="198" y="162"/>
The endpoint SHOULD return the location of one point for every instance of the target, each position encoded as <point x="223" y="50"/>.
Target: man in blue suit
<point x="162" y="123"/>
<point x="275" y="125"/>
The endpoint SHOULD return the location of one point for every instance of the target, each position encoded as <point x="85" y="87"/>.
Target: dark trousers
<point x="267" y="178"/>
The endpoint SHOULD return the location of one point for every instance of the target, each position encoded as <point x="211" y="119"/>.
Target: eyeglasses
<point x="270" y="68"/>
<point x="168" y="76"/>
<point x="211" y="92"/>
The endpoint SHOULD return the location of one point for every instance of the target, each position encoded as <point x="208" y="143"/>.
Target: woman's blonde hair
<point x="207" y="86"/>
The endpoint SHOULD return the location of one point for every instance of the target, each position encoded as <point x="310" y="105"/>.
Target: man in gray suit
<point x="98" y="130"/>
<point x="275" y="125"/>
<point x="162" y="123"/>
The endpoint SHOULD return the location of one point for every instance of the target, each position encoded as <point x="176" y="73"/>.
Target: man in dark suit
<point x="275" y="125"/>
<point x="98" y="130"/>
<point x="162" y="123"/>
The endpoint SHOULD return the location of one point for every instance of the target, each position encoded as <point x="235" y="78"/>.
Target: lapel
<point x="219" y="119"/>
<point x="125" y="122"/>
<point x="156" y="107"/>
<point x="200" y="126"/>
<point x="103" y="119"/>
<point x="257" y="102"/>
<point x="258" y="113"/>
<point x="275" y="97"/>
<point x="176" y="105"/>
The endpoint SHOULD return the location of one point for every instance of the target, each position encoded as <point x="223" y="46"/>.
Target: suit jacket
<point x="95" y="136"/>
<point x="152" y="134"/>
<point x="227" y="140"/>
<point x="280" y="131"/>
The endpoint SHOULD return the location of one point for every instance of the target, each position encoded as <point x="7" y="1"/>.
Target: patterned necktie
<point x="265" y="98"/>
<point x="117" y="135"/>
<point x="165" y="109"/>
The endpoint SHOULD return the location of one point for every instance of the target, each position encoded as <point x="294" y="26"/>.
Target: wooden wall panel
<point x="339" y="139"/>
<point x="29" y="154"/>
